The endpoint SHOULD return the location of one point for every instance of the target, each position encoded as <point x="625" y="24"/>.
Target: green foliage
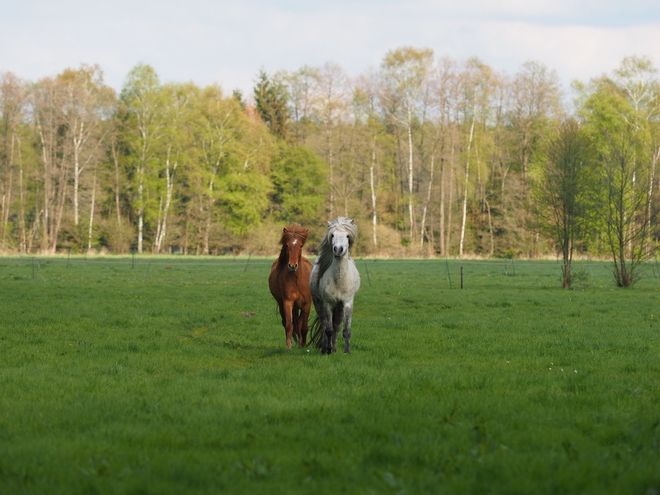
<point x="245" y="199"/>
<point x="144" y="133"/>
<point x="443" y="152"/>
<point x="627" y="157"/>
<point x="407" y="68"/>
<point x="172" y="377"/>
<point x="142" y="80"/>
<point x="300" y="178"/>
<point x="271" y="101"/>
<point x="560" y="192"/>
<point x="230" y="178"/>
<point x="199" y="148"/>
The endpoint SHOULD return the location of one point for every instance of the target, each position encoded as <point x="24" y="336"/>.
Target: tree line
<point x="432" y="156"/>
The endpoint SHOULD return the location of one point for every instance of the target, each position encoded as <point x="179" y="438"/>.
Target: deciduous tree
<point x="625" y="174"/>
<point x="13" y="103"/>
<point x="143" y="129"/>
<point x="561" y="189"/>
<point x="87" y="106"/>
<point x="405" y="73"/>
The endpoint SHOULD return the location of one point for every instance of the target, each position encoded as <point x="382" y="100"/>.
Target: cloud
<point x="228" y="42"/>
<point x="575" y="52"/>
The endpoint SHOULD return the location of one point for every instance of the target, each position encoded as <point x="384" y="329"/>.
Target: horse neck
<point x="340" y="266"/>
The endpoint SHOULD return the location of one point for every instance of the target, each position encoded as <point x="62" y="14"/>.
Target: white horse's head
<point x="340" y="243"/>
<point x="342" y="232"/>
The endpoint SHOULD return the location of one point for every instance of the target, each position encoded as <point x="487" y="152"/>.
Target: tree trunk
<point x="649" y="209"/>
<point x="467" y="182"/>
<point x="21" y="199"/>
<point x="209" y="210"/>
<point x="450" y="202"/>
<point x="61" y="201"/>
<point x="164" y="207"/>
<point x="76" y="178"/>
<point x="159" y="226"/>
<point x="426" y="204"/>
<point x="374" y="214"/>
<point x="6" y="198"/>
<point x="330" y="161"/>
<point x="410" y="177"/>
<point x="115" y="159"/>
<point x="490" y="229"/>
<point x="91" y="215"/>
<point x="443" y="185"/>
<point x="47" y="185"/>
<point x="140" y="208"/>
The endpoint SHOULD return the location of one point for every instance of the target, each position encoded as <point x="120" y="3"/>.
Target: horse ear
<point x="329" y="223"/>
<point x="352" y="221"/>
<point x="284" y="230"/>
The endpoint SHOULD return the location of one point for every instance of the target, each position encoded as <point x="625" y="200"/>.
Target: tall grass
<point x="172" y="377"/>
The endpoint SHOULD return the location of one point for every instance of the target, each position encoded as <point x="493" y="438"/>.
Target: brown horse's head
<point x="293" y="239"/>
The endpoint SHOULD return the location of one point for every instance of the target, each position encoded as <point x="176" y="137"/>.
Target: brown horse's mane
<point x="289" y="233"/>
<point x="325" y="257"/>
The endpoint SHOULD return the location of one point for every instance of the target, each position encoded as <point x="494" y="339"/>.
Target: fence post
<point x="146" y="277"/>
<point x="448" y="274"/>
<point x="367" y="269"/>
<point x="461" y="277"/>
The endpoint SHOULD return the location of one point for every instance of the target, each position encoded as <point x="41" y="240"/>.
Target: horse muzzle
<point x="293" y="268"/>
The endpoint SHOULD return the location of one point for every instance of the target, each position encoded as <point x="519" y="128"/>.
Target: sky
<point x="227" y="42"/>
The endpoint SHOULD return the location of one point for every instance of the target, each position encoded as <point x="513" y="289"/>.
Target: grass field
<point x="171" y="376"/>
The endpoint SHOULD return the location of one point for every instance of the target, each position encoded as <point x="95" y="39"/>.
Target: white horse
<point x="333" y="283"/>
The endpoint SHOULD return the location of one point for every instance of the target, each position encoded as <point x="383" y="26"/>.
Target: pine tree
<point x="271" y="101"/>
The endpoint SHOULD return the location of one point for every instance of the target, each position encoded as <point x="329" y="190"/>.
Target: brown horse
<point x="289" y="284"/>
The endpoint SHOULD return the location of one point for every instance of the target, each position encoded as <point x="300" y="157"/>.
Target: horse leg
<point x="287" y="319"/>
<point x="348" y="316"/>
<point x="303" y="321"/>
<point x="337" y="314"/>
<point x="326" y="322"/>
<point x="280" y="306"/>
<point x="296" y="325"/>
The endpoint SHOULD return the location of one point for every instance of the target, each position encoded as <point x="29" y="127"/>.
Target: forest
<point x="431" y="156"/>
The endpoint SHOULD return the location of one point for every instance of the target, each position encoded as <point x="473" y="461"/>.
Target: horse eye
<point x="332" y="236"/>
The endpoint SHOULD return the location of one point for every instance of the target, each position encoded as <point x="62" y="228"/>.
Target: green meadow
<point x="170" y="375"/>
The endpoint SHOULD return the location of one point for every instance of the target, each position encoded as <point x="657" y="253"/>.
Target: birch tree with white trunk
<point x="404" y="74"/>
<point x="144" y="128"/>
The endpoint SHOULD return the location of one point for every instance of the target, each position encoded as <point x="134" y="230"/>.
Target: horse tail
<point x="316" y="331"/>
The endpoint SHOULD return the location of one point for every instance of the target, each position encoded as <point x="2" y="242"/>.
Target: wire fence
<point x="455" y="273"/>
